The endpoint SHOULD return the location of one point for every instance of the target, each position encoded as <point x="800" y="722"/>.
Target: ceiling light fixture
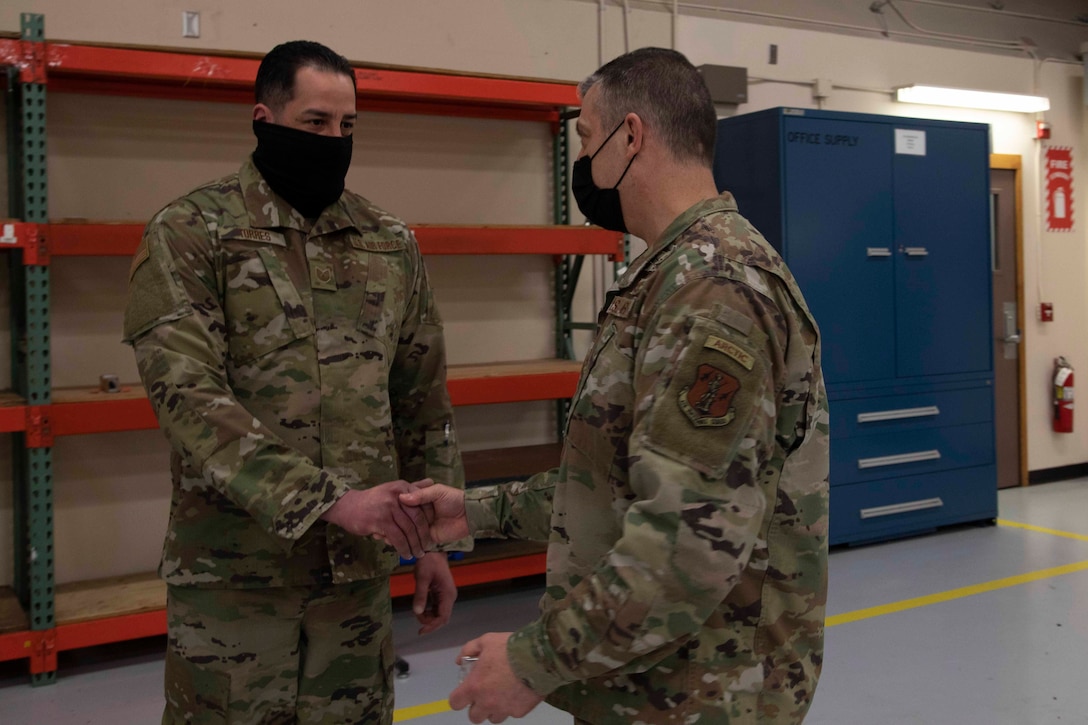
<point x="962" y="98"/>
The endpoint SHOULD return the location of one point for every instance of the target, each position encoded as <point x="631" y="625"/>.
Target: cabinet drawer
<point x="901" y="506"/>
<point x="890" y="455"/>
<point x="895" y="413"/>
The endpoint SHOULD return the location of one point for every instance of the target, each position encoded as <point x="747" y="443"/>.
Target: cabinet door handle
<point x="898" y="414"/>
<point x="916" y="251"/>
<point x="899" y="459"/>
<point x="878" y="252"/>
<point x="901" y="508"/>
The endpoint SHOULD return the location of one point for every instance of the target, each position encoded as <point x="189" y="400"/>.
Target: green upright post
<point x="564" y="280"/>
<point x="11" y="108"/>
<point x="32" y="454"/>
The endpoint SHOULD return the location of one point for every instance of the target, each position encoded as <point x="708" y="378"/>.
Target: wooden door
<point x="1007" y="322"/>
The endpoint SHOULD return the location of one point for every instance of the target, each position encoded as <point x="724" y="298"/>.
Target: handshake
<point x="411" y="517"/>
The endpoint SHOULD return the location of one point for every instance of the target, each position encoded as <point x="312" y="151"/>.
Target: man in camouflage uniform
<point x="687" y="555"/>
<point x="289" y="342"/>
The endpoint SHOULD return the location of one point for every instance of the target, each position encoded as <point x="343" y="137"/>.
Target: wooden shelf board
<point x="12" y="616"/>
<point x="9" y="399"/>
<point x="513" y="382"/>
<point x="129" y="607"/>
<point x="510" y="463"/>
<point x="15" y="641"/>
<point x="513" y="369"/>
<point x="99" y="599"/>
<point x="112" y="597"/>
<point x="87" y="394"/>
<point x="488" y="550"/>
<point x="80" y="410"/>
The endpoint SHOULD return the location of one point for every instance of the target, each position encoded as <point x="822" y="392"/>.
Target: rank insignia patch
<point x="322" y="276"/>
<point x="709" y="400"/>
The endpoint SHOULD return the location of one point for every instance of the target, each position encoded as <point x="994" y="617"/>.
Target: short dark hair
<point x="275" y="84"/>
<point x="668" y="94"/>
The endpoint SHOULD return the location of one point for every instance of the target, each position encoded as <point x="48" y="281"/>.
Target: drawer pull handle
<point x="899" y="414"/>
<point x="916" y="252"/>
<point x="878" y="252"/>
<point x="899" y="459"/>
<point x="901" y="508"/>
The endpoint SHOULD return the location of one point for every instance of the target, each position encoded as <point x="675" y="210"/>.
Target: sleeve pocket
<point x="706" y="403"/>
<point x="155" y="294"/>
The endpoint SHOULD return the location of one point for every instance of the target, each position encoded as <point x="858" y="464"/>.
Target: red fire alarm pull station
<point x="1046" y="312"/>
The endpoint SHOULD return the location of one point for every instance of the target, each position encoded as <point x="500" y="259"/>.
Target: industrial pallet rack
<point x="38" y="619"/>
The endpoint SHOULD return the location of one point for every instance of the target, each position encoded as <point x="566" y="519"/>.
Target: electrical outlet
<point x="1046" y="312"/>
<point x="190" y="24"/>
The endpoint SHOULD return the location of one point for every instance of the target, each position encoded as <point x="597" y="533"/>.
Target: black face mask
<point x="601" y="206"/>
<point x="306" y="169"/>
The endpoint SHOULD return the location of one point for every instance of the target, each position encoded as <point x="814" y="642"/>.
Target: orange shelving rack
<point x="37" y="620"/>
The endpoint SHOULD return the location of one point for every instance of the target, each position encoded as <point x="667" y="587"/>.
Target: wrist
<point x="331" y="514"/>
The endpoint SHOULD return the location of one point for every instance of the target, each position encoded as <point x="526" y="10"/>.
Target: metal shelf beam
<point x="42" y="647"/>
<point x="36" y="414"/>
<point x="84" y="411"/>
<point x="120" y="239"/>
<point x="144" y="72"/>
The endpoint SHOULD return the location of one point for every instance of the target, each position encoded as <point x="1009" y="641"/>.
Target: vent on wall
<point x="727" y="83"/>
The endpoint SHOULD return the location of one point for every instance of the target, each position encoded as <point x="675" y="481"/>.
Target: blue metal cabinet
<point x="884" y="221"/>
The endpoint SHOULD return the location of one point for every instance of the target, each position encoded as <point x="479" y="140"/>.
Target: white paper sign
<point x="910" y="142"/>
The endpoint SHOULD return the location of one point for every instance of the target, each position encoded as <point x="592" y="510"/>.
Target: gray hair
<point x="668" y="94"/>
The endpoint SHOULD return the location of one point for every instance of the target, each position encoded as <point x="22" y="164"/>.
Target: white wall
<point x="1055" y="264"/>
<point x="121" y="158"/>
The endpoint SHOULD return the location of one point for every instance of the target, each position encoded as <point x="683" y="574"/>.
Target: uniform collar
<point x="723" y="202"/>
<point x="267" y="210"/>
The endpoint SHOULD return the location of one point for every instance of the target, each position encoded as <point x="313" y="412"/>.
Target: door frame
<point x="1013" y="162"/>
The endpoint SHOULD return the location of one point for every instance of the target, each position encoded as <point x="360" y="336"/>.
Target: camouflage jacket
<point x="687" y="556"/>
<point x="286" y="364"/>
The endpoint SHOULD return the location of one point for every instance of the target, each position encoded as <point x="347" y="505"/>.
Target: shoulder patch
<point x="733" y="350"/>
<point x="621" y="307"/>
<point x="710" y="396"/>
<point x="708" y="400"/>
<point x="141" y="256"/>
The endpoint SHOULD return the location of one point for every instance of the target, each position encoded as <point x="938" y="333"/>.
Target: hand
<point x="492" y="691"/>
<point x="377" y="512"/>
<point x="448" y="505"/>
<point x="435" y="591"/>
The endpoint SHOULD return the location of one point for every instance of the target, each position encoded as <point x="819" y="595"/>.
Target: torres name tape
<point x="255" y="235"/>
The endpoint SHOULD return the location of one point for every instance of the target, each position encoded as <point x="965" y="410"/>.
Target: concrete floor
<point x="972" y="625"/>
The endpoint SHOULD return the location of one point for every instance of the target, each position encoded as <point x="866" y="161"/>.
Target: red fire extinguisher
<point x="1063" y="396"/>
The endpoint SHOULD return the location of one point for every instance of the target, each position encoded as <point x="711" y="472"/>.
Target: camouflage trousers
<point x="305" y="655"/>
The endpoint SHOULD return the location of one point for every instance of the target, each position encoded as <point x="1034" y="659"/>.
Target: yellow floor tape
<point x="430" y="708"/>
<point x="433" y="708"/>
<point x="1011" y="581"/>
<point x="1042" y="530"/>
